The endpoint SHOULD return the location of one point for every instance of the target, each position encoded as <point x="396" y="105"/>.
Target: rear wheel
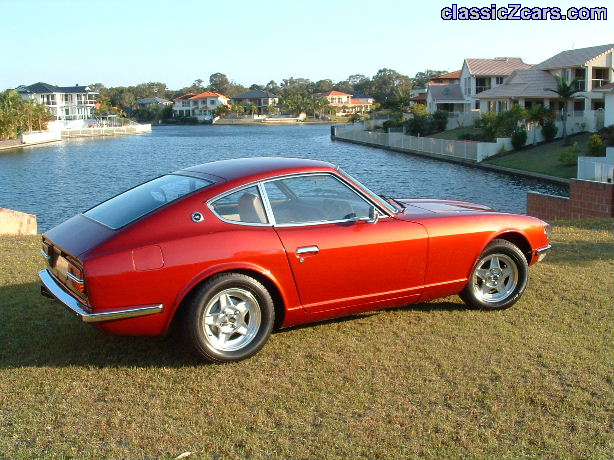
<point x="498" y="279"/>
<point x="229" y="318"/>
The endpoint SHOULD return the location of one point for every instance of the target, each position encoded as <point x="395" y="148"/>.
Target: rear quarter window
<point x="143" y="199"/>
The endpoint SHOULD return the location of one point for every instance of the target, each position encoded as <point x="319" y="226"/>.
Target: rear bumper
<point x="52" y="288"/>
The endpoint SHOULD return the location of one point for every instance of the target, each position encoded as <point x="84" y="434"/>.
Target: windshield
<point x="143" y="199"/>
<point x="374" y="196"/>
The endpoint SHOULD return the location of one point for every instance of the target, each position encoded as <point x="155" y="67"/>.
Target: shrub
<point x="595" y="146"/>
<point x="519" y="138"/>
<point x="607" y="135"/>
<point x="440" y="120"/>
<point x="569" y="155"/>
<point x="392" y="124"/>
<point x="549" y="130"/>
<point x="419" y="125"/>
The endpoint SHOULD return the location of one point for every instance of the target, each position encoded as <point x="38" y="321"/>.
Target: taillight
<point x="75" y="278"/>
<point x="47" y="252"/>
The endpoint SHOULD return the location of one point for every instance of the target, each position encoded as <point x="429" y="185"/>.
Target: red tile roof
<point x="185" y="96"/>
<point x="207" y="94"/>
<point x="335" y="93"/>
<point x="450" y="75"/>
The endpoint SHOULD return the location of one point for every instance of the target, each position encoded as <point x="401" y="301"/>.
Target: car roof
<point x="258" y="167"/>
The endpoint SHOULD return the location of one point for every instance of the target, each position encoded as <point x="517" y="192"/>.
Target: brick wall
<point x="591" y="199"/>
<point x="586" y="199"/>
<point x="17" y="223"/>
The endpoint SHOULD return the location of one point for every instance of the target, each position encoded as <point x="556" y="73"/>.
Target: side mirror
<point x="373" y="215"/>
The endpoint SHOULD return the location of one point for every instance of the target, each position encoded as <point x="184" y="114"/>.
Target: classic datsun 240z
<point x="235" y="248"/>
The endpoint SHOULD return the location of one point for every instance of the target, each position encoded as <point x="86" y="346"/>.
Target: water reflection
<point x="59" y="180"/>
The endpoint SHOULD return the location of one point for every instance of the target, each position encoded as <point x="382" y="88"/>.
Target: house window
<point x="482" y="84"/>
<point x="598" y="105"/>
<point x="212" y="102"/>
<point x="67" y="98"/>
<point x="578" y="106"/>
<point x="499" y="80"/>
<point x="600" y="77"/>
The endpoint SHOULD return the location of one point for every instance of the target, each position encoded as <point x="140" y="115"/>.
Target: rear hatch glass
<point x="143" y="199"/>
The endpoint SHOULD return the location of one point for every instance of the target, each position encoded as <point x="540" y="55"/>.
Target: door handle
<point x="307" y="250"/>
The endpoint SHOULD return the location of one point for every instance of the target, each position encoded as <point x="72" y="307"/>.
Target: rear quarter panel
<point x="191" y="252"/>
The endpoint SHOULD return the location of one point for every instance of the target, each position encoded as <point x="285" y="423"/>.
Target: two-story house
<point x="593" y="67"/>
<point x="347" y="103"/>
<point x="478" y="75"/>
<point x="262" y="99"/>
<point x="65" y="103"/>
<point x="200" y="106"/>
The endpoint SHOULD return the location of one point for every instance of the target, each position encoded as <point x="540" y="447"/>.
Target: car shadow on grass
<point x="38" y="332"/>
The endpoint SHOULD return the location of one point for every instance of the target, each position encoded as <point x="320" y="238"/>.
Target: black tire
<point x="498" y="278"/>
<point x="229" y="318"/>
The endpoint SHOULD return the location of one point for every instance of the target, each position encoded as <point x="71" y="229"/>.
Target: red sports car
<point x="235" y="248"/>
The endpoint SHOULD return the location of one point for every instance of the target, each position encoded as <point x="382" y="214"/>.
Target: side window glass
<point x="314" y="198"/>
<point x="242" y="206"/>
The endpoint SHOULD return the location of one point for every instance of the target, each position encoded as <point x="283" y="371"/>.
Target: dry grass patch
<point x="426" y="381"/>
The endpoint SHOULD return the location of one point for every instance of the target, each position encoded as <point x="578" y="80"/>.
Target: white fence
<point x="462" y="150"/>
<point x="109" y="131"/>
<point x="597" y="169"/>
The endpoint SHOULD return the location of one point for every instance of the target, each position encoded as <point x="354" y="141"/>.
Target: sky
<point x="127" y="42"/>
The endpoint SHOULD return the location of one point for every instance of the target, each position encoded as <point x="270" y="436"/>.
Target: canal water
<point x="59" y="180"/>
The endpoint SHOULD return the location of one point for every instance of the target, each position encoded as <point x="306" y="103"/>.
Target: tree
<point x="538" y="115"/>
<point x="11" y="109"/>
<point x="252" y="108"/>
<point x="237" y="109"/>
<point x="421" y="78"/>
<point x="323" y="86"/>
<point x="219" y="83"/>
<point x="221" y="111"/>
<point x="566" y="92"/>
<point x="389" y="86"/>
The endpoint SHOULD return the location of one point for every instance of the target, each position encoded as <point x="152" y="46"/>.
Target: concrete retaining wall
<point x="17" y="223"/>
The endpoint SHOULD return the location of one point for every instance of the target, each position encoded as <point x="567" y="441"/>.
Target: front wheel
<point x="229" y="318"/>
<point x="498" y="279"/>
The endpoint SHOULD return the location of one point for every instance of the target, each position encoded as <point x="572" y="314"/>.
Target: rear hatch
<point x="63" y="247"/>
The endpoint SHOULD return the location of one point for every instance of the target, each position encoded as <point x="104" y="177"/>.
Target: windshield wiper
<point x="389" y="198"/>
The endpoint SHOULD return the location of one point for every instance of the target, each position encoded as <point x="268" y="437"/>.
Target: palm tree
<point x="11" y="114"/>
<point x="538" y="115"/>
<point x="566" y="92"/>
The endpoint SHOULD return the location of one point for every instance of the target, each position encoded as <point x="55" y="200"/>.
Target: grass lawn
<point x="429" y="381"/>
<point x="452" y="135"/>
<point x="543" y="158"/>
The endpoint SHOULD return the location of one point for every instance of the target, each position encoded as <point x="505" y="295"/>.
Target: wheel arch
<point x="517" y="239"/>
<point x="252" y="271"/>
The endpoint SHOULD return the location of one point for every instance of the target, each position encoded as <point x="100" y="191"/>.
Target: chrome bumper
<point x="51" y="288"/>
<point x="541" y="253"/>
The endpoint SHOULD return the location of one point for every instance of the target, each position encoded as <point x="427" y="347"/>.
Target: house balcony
<point x="599" y="82"/>
<point x="479" y="89"/>
<point x="579" y="85"/>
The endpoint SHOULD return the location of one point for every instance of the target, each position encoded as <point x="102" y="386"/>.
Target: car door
<point x="338" y="258"/>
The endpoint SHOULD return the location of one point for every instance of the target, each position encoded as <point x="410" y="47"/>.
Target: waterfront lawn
<point x="452" y="134"/>
<point x="543" y="158"/>
<point x="428" y="381"/>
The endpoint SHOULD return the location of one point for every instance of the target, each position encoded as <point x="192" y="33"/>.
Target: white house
<point x="65" y="103"/>
<point x="593" y="67"/>
<point x="478" y="75"/>
<point x="347" y="102"/>
<point x="200" y="106"/>
<point x="608" y="100"/>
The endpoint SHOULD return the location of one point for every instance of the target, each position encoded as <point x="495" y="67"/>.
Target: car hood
<point x="431" y="206"/>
